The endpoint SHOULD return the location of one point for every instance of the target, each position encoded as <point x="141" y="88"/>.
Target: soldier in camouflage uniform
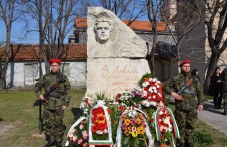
<point x="224" y="89"/>
<point x="56" y="103"/>
<point x="187" y="103"/>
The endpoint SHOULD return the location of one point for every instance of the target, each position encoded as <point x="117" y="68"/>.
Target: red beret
<point x="55" y="60"/>
<point x="184" y="62"/>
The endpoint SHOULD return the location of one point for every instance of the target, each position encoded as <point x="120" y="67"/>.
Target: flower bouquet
<point x="100" y="131"/>
<point x="78" y="136"/>
<point x="133" y="130"/>
<point x="165" y="126"/>
<point x="152" y="92"/>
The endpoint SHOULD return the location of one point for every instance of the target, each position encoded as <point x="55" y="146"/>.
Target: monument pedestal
<point x="114" y="75"/>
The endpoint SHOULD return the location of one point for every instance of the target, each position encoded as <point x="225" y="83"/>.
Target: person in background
<point x="224" y="90"/>
<point x="215" y="88"/>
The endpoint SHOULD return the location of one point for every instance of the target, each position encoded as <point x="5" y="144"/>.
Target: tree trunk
<point x="212" y="65"/>
<point x="5" y="66"/>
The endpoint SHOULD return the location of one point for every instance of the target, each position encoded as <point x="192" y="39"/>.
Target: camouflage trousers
<point x="186" y="120"/>
<point x="53" y="124"/>
<point x="225" y="101"/>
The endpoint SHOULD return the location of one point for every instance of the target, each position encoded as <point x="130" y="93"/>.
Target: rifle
<point x="40" y="117"/>
<point x="45" y="95"/>
<point x="184" y="89"/>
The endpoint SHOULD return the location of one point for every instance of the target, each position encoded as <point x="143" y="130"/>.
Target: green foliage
<point x="114" y="115"/>
<point x="168" y="136"/>
<point x="101" y="96"/>
<point x="203" y="137"/>
<point x="147" y="75"/>
<point x="134" y="142"/>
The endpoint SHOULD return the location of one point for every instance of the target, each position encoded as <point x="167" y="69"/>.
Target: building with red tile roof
<point x="29" y="52"/>
<point x="23" y="66"/>
<point x="137" y="25"/>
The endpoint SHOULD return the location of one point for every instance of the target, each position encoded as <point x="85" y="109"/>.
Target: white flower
<point x="134" y="113"/>
<point x="154" y="96"/>
<point x="150" y="79"/>
<point x="161" y="104"/>
<point x="82" y="105"/>
<point x="150" y="89"/>
<point x="144" y="92"/>
<point x="145" y="103"/>
<point x="163" y="128"/>
<point x="81" y="126"/>
<point x="170" y="128"/>
<point x="130" y="114"/>
<point x="145" y="84"/>
<point x="74" y="138"/>
<point x="153" y="103"/>
<point x="166" y="120"/>
<point x="157" y="86"/>
<point x="155" y="80"/>
<point x="105" y="131"/>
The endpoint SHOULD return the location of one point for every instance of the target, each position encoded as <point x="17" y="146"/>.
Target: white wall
<point x="16" y="74"/>
<point x="78" y="74"/>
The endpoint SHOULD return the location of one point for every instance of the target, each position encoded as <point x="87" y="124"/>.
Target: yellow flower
<point x="138" y="121"/>
<point x="130" y="129"/>
<point x="127" y="122"/>
<point x="134" y="133"/>
<point x="141" y="130"/>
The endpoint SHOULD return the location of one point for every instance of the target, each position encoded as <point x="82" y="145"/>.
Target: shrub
<point x="203" y="137"/>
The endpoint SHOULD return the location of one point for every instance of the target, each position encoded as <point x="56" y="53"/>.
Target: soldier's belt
<point x="55" y="95"/>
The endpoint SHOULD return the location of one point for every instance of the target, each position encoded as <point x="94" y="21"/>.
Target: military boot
<point x="225" y="112"/>
<point x="58" y="144"/>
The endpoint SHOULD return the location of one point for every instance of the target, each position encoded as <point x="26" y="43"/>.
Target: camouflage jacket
<point x="63" y="90"/>
<point x="175" y="83"/>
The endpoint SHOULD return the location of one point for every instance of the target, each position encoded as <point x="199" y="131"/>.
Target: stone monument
<point x="116" y="55"/>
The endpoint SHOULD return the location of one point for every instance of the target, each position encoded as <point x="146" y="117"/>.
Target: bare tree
<point x="10" y="11"/>
<point x="55" y="19"/>
<point x="153" y="11"/>
<point x="125" y="9"/>
<point x="216" y="22"/>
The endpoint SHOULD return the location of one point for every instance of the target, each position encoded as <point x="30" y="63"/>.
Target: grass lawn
<point x="19" y="119"/>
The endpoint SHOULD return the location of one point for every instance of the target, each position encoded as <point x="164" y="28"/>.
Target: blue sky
<point x="18" y="33"/>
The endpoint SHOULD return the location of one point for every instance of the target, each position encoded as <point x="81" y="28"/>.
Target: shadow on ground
<point x="210" y="107"/>
<point x="36" y="103"/>
<point x="76" y="112"/>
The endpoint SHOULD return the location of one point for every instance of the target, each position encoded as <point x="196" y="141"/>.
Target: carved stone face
<point x="103" y="32"/>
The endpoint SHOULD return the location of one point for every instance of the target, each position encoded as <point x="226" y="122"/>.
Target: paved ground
<point x="214" y="117"/>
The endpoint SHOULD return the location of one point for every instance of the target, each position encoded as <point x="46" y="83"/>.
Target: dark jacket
<point x="224" y="81"/>
<point x="214" y="87"/>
